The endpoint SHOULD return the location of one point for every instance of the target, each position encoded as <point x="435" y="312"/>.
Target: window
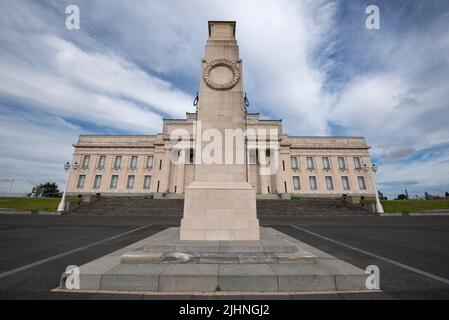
<point x="341" y="163"/>
<point x="150" y="162"/>
<point x="252" y="156"/>
<point x="147" y="182"/>
<point x="81" y="180"/>
<point x="345" y="182"/>
<point x="85" y="164"/>
<point x="310" y="164"/>
<point x="362" y="184"/>
<point x="283" y="165"/>
<point x="114" y="181"/>
<point x="133" y="163"/>
<point x="101" y="162"/>
<point x="160" y="164"/>
<point x="329" y="183"/>
<point x="118" y="162"/>
<point x="191" y="156"/>
<point x="312" y="182"/>
<point x="296" y="183"/>
<point x="294" y="162"/>
<point x="326" y="164"/>
<point x="130" y="183"/>
<point x="97" y="182"/>
<point x="357" y="163"/>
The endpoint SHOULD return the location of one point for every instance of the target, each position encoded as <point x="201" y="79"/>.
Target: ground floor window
<point x="147" y="182"/>
<point x="362" y="184"/>
<point x="114" y="181"/>
<point x="296" y="183"/>
<point x="130" y="183"/>
<point x="81" y="180"/>
<point x="345" y="182"/>
<point x="329" y="183"/>
<point x="312" y="181"/>
<point x="97" y="182"/>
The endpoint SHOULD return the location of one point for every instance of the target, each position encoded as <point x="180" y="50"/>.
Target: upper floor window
<point x="296" y="183"/>
<point x="329" y="183"/>
<point x="294" y="161"/>
<point x="81" y="180"/>
<point x="85" y="163"/>
<point x="357" y="163"/>
<point x="118" y="162"/>
<point x="133" y="163"/>
<point x="312" y="182"/>
<point x="341" y="163"/>
<point x="97" y="182"/>
<point x="362" y="184"/>
<point x="130" y="183"/>
<point x="150" y="160"/>
<point x="326" y="164"/>
<point x="310" y="164"/>
<point x="101" y="162"/>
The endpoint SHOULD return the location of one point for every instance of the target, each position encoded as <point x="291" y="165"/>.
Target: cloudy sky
<point x="312" y="63"/>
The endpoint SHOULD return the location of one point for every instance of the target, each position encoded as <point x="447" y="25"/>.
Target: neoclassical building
<point x="141" y="164"/>
<point x="137" y="165"/>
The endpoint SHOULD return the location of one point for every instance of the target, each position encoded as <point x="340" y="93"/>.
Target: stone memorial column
<point x="220" y="204"/>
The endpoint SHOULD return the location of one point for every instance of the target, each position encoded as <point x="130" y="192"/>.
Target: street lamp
<point x="372" y="173"/>
<point x="67" y="166"/>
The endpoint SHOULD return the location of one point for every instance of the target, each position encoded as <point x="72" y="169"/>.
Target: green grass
<point x="33" y="204"/>
<point x="396" y="206"/>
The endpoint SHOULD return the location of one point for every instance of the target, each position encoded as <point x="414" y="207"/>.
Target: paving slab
<point x="189" y="277"/>
<point x="133" y="277"/>
<point x="246" y="278"/>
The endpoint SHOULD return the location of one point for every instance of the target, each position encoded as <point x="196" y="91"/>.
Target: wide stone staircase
<point x="121" y="206"/>
<point x="308" y="207"/>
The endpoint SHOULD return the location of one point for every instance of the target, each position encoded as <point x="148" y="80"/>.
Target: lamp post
<point x="372" y="173"/>
<point x="67" y="166"/>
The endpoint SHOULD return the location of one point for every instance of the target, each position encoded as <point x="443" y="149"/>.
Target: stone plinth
<point x="220" y="211"/>
<point x="162" y="263"/>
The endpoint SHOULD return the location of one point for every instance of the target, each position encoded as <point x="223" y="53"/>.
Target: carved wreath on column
<point x="226" y="63"/>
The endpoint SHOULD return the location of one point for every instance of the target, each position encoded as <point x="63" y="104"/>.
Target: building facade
<point x="141" y="165"/>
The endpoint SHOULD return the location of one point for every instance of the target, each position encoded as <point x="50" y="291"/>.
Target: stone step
<point x="175" y="207"/>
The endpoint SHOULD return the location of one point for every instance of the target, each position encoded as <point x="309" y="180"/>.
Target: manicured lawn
<point x="394" y="206"/>
<point x="32" y="204"/>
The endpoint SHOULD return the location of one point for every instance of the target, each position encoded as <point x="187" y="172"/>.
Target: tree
<point x="402" y="197"/>
<point x="446" y="195"/>
<point x="49" y="189"/>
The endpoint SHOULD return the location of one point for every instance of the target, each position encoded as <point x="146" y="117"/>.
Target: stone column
<point x="220" y="204"/>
